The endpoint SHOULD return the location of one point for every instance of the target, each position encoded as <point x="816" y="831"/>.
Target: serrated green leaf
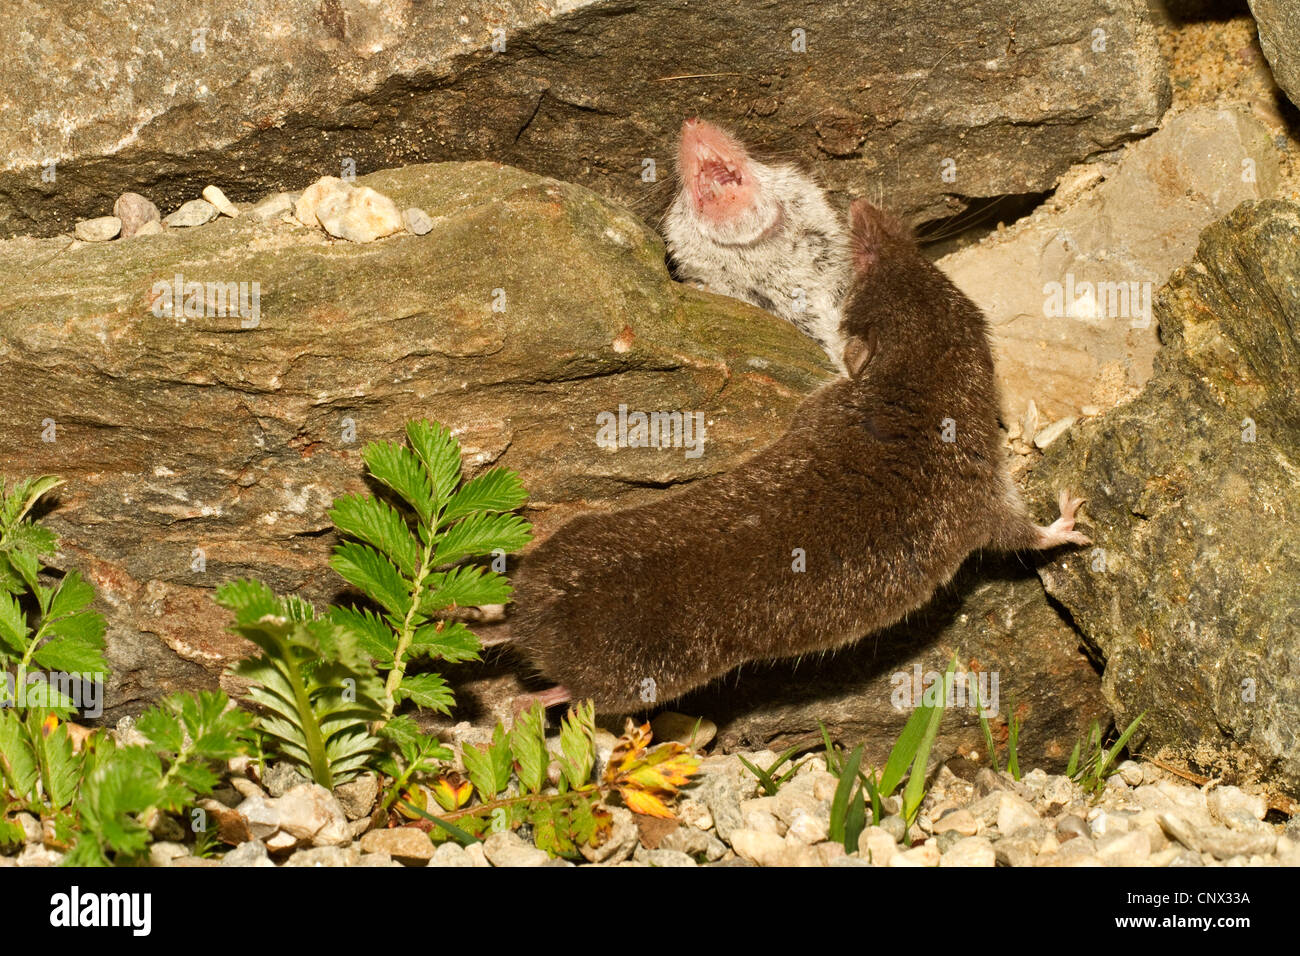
<point x="250" y="600"/>
<point x="14" y="632"/>
<point x="60" y="767"/>
<point x="481" y="534"/>
<point x="465" y="586"/>
<point x="373" y="635"/>
<point x="379" y="525"/>
<point x="73" y="594"/>
<point x="401" y="470"/>
<point x="426" y="690"/>
<point x="496" y="490"/>
<point x="488" y="766"/>
<point x="372" y="574"/>
<point x="440" y="453"/>
<point x="75" y="653"/>
<point x="528" y="745"/>
<point x="450" y="641"/>
<point x="17" y="757"/>
<point x="578" y="744"/>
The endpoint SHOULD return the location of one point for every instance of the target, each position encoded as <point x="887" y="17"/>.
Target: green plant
<point x="767" y="779"/>
<point x="1091" y="764"/>
<point x="907" y="758"/>
<point x="409" y="560"/>
<point x="123" y="789"/>
<point x="62" y="633"/>
<point x="1013" y="737"/>
<point x="571" y="813"/>
<point x="317" y="691"/>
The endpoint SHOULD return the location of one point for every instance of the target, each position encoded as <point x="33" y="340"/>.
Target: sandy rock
<point x="98" y="230"/>
<point x="694" y="732"/>
<point x="450" y="854"/>
<point x="507" y="849"/>
<point x="927" y="854"/>
<point x="281" y="89"/>
<point x="310" y="813"/>
<point x="762" y="847"/>
<point x="1220" y="420"/>
<point x="877" y="846"/>
<point x="274" y="206"/>
<point x="214" y="195"/>
<point x="249" y="853"/>
<point x="162" y="852"/>
<point x="408" y="845"/>
<point x="417" y="221"/>
<point x="1059" y="336"/>
<point x="960" y="821"/>
<point x="196" y="212"/>
<point x="325" y="856"/>
<point x="970" y="851"/>
<point x="358" y="214"/>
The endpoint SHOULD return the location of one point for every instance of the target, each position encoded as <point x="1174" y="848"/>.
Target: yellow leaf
<point x="641" y="801"/>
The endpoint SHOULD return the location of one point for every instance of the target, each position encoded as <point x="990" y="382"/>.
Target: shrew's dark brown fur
<point x="884" y="482"/>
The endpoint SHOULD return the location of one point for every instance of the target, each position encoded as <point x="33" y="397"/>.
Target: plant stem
<point x="407" y="633"/>
<point x="320" y="769"/>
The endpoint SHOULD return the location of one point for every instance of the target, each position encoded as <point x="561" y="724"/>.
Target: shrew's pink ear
<point x="870" y="228"/>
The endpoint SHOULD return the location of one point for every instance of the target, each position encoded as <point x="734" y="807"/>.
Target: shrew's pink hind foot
<point x="559" y="694"/>
<point x="1061" y="531"/>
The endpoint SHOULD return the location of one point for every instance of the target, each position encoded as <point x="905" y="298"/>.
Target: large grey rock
<point x="1098" y="251"/>
<point x="929" y="100"/>
<point x="1279" y="38"/>
<point x="201" y="450"/>
<point x="1190" y="593"/>
<point x="198" y="450"/>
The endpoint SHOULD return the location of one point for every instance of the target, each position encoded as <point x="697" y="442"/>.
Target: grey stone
<point x="357" y="796"/>
<point x="508" y="849"/>
<point x="450" y="854"/>
<point x="417" y="221"/>
<point x="1016" y="851"/>
<point x="663" y="857"/>
<point x="1279" y="38"/>
<point x="98" y="230"/>
<point x="248" y="853"/>
<point x="196" y="212"/>
<point x="274" y="206"/>
<point x="281" y="777"/>
<point x="1136" y="225"/>
<point x="1198" y="473"/>
<point x="1224" y="844"/>
<point x="584" y="90"/>
<point x="325" y="856"/>
<point x="622" y="839"/>
<point x="694" y="842"/>
<point x="895" y="826"/>
<point x="408" y="845"/>
<point x="1016" y="814"/>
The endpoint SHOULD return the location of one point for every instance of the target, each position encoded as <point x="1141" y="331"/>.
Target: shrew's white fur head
<point x="763" y="233"/>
